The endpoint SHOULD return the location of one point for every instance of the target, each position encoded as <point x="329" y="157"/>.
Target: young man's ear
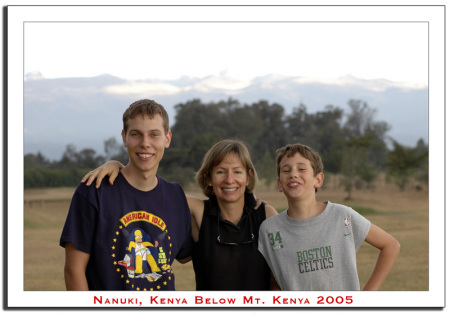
<point x="168" y="138"/>
<point x="124" y="139"/>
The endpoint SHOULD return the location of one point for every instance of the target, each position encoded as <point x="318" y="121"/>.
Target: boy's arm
<point x="75" y="269"/>
<point x="389" y="249"/>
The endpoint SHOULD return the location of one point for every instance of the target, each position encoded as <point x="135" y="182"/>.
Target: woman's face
<point x="229" y="179"/>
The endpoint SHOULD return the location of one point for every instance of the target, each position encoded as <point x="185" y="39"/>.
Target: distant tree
<point x="199" y="147"/>
<point x="364" y="151"/>
<point x="266" y="170"/>
<point x="320" y="131"/>
<point x="111" y="147"/>
<point x="324" y="135"/>
<point x="245" y="123"/>
<point x="86" y="159"/>
<point x="199" y="125"/>
<point x="273" y="134"/>
<point x="355" y="163"/>
<point x="360" y="123"/>
<point x="35" y="160"/>
<point x="115" y="151"/>
<point x="69" y="157"/>
<point x="298" y="125"/>
<point x="49" y="177"/>
<point x="195" y="118"/>
<point x="423" y="172"/>
<point x="403" y="162"/>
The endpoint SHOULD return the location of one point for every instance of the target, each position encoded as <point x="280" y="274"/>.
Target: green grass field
<point x="402" y="214"/>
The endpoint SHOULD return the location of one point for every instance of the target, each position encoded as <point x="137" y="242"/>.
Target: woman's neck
<point x="231" y="212"/>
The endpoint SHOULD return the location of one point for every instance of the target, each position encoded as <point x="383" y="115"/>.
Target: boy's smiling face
<point x="296" y="178"/>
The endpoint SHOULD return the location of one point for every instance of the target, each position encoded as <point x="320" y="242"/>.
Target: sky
<point x="145" y="50"/>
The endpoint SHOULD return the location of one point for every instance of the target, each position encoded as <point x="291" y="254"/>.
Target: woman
<point x="225" y="226"/>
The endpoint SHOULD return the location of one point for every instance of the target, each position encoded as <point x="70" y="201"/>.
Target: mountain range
<point x="87" y="111"/>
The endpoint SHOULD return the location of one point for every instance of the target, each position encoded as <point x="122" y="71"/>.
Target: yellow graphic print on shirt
<point x="144" y="258"/>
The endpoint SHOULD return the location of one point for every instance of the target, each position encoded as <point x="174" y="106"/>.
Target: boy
<point x="126" y="236"/>
<point x="312" y="245"/>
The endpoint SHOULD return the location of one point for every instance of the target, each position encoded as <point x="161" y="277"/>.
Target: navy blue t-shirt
<point x="132" y="236"/>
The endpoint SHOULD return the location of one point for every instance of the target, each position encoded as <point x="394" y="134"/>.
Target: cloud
<point x="377" y="85"/>
<point x="137" y="87"/>
<point x="221" y="83"/>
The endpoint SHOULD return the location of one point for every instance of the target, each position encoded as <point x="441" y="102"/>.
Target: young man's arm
<point x="389" y="249"/>
<point x="75" y="269"/>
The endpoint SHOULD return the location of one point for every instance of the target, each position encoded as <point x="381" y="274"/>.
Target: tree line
<point x="351" y="143"/>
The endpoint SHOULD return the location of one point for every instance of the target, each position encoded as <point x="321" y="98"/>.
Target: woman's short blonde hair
<point x="216" y="155"/>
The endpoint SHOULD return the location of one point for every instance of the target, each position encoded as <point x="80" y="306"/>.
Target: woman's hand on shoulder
<point x="110" y="168"/>
<point x="259" y="202"/>
<point x="270" y="210"/>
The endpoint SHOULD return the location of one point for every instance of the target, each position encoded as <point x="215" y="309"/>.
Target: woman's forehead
<point x="231" y="159"/>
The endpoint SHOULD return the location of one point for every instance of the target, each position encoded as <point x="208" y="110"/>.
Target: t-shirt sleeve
<point x="186" y="249"/>
<point x="80" y="224"/>
<point x="360" y="228"/>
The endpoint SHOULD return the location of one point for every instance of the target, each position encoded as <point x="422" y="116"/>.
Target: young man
<point x="312" y="246"/>
<point x="126" y="236"/>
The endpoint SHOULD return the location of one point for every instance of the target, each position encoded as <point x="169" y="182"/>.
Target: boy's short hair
<point x="216" y="154"/>
<point x="306" y="151"/>
<point x="145" y="107"/>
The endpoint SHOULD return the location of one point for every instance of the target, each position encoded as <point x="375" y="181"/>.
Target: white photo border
<point x="19" y="15"/>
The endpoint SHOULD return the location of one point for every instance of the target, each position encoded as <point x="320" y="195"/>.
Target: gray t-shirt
<point x="317" y="254"/>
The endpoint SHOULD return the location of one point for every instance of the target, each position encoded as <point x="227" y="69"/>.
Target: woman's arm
<point x="196" y="207"/>
<point x="389" y="249"/>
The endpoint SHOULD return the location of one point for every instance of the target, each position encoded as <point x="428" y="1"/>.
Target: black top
<point x="234" y="263"/>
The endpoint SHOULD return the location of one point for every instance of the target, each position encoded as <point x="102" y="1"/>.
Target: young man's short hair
<point x="145" y="107"/>
<point x="216" y="155"/>
<point x="306" y="151"/>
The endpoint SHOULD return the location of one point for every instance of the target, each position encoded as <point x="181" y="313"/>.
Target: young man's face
<point x="146" y="141"/>
<point x="297" y="177"/>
